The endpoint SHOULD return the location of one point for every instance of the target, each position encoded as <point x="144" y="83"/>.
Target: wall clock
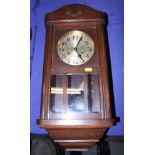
<point x="76" y="106"/>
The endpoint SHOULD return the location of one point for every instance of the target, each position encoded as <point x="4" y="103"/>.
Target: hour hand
<point x="79" y="55"/>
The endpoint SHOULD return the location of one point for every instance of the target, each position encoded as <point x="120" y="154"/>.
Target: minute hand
<point x="79" y="55"/>
<point x="78" y="42"/>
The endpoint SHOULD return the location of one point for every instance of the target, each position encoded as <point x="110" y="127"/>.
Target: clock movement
<point x="76" y="99"/>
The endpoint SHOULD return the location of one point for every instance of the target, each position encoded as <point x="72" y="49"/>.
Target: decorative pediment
<point x="75" y="11"/>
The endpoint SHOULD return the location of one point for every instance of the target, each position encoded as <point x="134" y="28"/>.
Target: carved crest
<point x="73" y="11"/>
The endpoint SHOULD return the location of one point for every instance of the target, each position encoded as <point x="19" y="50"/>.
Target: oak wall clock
<point x="76" y="106"/>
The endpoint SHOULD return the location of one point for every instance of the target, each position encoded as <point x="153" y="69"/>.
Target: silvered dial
<point x="75" y="47"/>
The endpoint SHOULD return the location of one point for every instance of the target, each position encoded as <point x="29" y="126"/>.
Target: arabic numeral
<point x="75" y="37"/>
<point x="61" y="49"/>
<point x="63" y="56"/>
<point x="87" y="55"/>
<point x="86" y="42"/>
<point x="68" y="60"/>
<point x="89" y="48"/>
<point x="64" y="43"/>
<point x="68" y="39"/>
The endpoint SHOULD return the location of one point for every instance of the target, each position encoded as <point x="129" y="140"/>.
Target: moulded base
<point x="77" y="136"/>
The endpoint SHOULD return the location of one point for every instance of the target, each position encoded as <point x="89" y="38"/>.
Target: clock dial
<point x="75" y="48"/>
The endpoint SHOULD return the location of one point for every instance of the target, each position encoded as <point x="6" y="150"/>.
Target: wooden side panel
<point x="104" y="75"/>
<point x="45" y="98"/>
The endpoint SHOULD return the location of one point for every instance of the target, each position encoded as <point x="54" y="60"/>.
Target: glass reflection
<point x="76" y="100"/>
<point x="78" y="93"/>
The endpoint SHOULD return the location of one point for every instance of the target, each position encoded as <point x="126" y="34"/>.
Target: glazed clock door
<point x="75" y="93"/>
<point x="75" y="80"/>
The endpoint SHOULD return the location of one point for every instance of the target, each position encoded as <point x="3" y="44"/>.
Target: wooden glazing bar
<point x="59" y="97"/>
<point x="65" y="96"/>
<point x="85" y="92"/>
<point x="95" y="93"/>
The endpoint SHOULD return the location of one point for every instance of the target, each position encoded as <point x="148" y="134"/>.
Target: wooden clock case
<point x="75" y="131"/>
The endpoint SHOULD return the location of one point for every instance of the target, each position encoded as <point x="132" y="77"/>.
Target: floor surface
<point x="116" y="148"/>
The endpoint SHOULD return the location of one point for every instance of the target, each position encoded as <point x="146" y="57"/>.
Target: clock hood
<point x="75" y="11"/>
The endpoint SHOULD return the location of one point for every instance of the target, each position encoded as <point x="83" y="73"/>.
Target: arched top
<point x="75" y="11"/>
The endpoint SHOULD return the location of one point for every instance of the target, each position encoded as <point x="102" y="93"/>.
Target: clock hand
<point x="79" y="55"/>
<point x="78" y="42"/>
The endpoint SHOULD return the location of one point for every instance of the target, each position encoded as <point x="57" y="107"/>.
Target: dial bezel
<point x="79" y="33"/>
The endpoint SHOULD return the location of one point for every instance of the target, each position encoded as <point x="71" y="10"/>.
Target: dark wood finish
<point x="104" y="70"/>
<point x="75" y="116"/>
<point x="78" y="130"/>
<point x="57" y="124"/>
<point x="45" y="98"/>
